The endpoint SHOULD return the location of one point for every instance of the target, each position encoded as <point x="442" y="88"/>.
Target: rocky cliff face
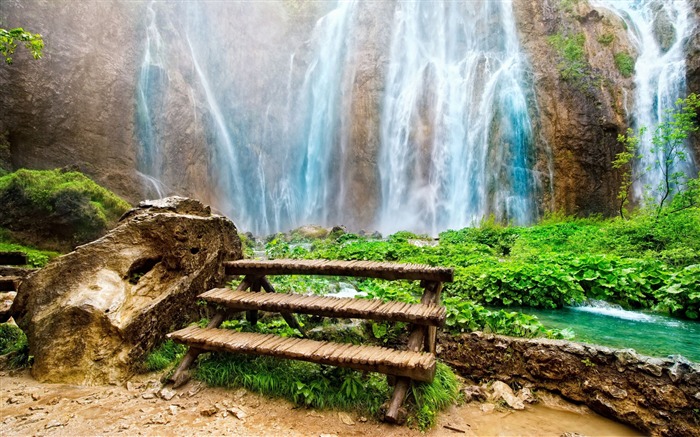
<point x="74" y="106"/>
<point x="580" y="115"/>
<point x="82" y="105"/>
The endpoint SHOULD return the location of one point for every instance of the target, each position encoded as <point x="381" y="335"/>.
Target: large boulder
<point x="90" y="316"/>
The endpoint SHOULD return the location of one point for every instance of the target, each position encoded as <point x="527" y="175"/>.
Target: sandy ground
<point x="28" y="407"/>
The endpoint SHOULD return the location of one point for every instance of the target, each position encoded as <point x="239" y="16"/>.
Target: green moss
<point x="13" y="343"/>
<point x="606" y="39"/>
<point x="625" y="63"/>
<point x="35" y="257"/>
<point x="56" y="204"/>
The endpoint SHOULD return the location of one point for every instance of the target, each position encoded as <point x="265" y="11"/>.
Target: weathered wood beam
<point x="366" y="269"/>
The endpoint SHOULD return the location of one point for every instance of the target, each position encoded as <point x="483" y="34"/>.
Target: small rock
<point x="697" y="396"/>
<point x="158" y="419"/>
<point x="615" y="392"/>
<point x="363" y="419"/>
<point x="54" y="424"/>
<point x="488" y="408"/>
<point x="328" y="435"/>
<point x="237" y="413"/>
<point x="345" y="418"/>
<point x="501" y="390"/>
<point x="35" y="397"/>
<point x="651" y="369"/>
<point x="572" y="434"/>
<point x="167" y="394"/>
<point x="209" y="411"/>
<point x="148" y="395"/>
<point x="124" y="426"/>
<point x="15" y="400"/>
<point x="473" y="393"/>
<point x="526" y="395"/>
<point x="130" y="386"/>
<point x="173" y="410"/>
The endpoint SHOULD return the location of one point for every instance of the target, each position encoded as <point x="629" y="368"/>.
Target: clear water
<point x="647" y="333"/>
<point x="660" y="72"/>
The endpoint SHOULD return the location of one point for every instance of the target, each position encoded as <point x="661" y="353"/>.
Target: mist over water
<point x="275" y="110"/>
<point x="659" y="30"/>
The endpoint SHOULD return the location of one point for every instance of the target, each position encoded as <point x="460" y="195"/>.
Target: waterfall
<point x="322" y="94"/>
<point x="151" y="82"/>
<point x="659" y="31"/>
<point x="275" y="117"/>
<point x="456" y="136"/>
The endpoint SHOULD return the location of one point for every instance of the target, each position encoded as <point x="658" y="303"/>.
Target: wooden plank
<point x="353" y="356"/>
<point x="13" y="258"/>
<point x="367" y="269"/>
<point x="420" y="314"/>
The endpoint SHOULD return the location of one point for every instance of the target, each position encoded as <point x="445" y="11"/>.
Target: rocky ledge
<point x="658" y="396"/>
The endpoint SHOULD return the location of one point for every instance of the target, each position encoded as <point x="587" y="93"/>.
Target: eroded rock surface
<point x="657" y="396"/>
<point x="91" y="315"/>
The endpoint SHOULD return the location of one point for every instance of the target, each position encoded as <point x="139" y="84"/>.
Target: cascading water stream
<point x="322" y="93"/>
<point x="456" y="134"/>
<point x="659" y="31"/>
<point x="151" y="81"/>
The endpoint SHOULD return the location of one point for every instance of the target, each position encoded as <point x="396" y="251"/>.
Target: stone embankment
<point x="658" y="396"/>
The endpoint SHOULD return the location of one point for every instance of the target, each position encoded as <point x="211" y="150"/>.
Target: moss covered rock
<point x="57" y="209"/>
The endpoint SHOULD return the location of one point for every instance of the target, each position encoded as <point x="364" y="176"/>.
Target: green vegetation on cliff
<point x="56" y="208"/>
<point x="10" y="38"/>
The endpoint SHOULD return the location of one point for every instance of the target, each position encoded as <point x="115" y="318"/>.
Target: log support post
<point x="181" y="375"/>
<point x="421" y="337"/>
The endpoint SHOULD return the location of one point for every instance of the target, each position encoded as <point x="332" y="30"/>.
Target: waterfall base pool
<point x="607" y="325"/>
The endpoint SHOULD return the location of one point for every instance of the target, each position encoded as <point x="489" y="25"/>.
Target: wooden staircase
<point x="416" y="363"/>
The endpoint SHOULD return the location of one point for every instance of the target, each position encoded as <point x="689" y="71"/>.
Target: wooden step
<point x="374" y="309"/>
<point x="13" y="258"/>
<point x="418" y="366"/>
<point x="365" y="269"/>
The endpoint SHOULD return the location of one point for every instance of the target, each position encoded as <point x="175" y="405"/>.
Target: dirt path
<point x="28" y="407"/>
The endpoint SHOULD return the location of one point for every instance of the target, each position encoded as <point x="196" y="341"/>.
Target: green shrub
<point x="624" y="63"/>
<point x="571" y="49"/>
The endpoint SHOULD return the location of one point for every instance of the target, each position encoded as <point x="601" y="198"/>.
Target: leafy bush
<point x="574" y="65"/>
